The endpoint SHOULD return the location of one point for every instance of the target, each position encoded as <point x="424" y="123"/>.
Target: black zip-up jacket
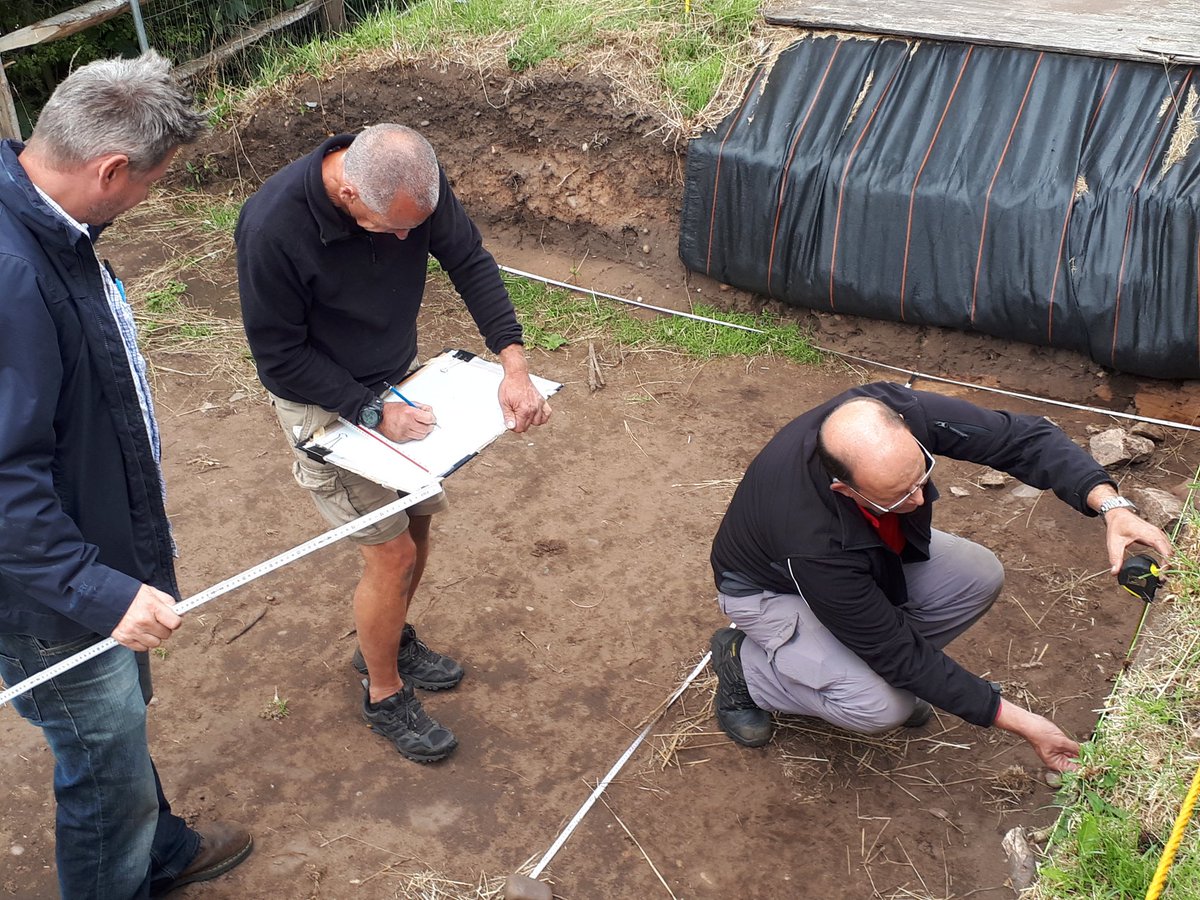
<point x="82" y="523"/>
<point x="786" y="531"/>
<point x="330" y="309"/>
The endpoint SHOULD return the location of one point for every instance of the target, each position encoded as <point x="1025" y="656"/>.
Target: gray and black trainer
<point x="737" y="713"/>
<point x="403" y="721"/>
<point x="418" y="665"/>
<point x="922" y="713"/>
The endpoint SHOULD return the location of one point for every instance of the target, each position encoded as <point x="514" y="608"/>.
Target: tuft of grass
<point x="553" y="317"/>
<point x="165" y="299"/>
<point x="214" y="213"/>
<point x="276" y="709"/>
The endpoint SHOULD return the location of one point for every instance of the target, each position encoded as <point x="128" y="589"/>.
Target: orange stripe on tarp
<point x="788" y="165"/>
<point x="912" y="197"/>
<point x="1062" y="239"/>
<point x="712" y="219"/>
<point x="999" y="165"/>
<point x="837" y="222"/>
<point x="1132" y="206"/>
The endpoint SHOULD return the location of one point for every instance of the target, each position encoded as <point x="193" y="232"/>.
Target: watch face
<point x="369" y="416"/>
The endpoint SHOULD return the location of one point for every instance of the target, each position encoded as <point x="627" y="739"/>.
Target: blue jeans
<point x="115" y="834"/>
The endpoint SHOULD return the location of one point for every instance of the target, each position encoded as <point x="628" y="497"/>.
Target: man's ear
<point x="110" y="167"/>
<point x="839" y="487"/>
<point x="348" y="193"/>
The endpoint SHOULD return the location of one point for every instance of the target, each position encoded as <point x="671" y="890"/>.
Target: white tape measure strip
<point x="612" y="773"/>
<point x="229" y="584"/>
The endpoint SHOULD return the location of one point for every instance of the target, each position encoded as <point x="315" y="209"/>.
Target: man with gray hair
<point x="332" y="257"/>
<point x="85" y="548"/>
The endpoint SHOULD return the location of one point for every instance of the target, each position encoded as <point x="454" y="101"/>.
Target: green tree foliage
<point x="34" y="71"/>
<point x="179" y="29"/>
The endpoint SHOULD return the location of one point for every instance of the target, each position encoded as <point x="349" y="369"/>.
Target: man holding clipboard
<point x="332" y="255"/>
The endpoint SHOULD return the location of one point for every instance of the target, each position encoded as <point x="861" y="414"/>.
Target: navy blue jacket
<point x="330" y="309"/>
<point x="82" y="522"/>
<point x="786" y="531"/>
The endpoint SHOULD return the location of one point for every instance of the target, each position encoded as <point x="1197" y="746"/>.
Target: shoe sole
<point x="431" y="686"/>
<point x="440" y="755"/>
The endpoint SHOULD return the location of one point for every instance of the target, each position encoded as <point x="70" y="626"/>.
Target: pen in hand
<point x="406" y="400"/>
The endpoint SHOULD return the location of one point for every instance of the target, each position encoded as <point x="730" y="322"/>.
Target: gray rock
<point x="1159" y="508"/>
<point x="1116" y="447"/>
<point x="1022" y="860"/>
<point x="1025" y="490"/>
<point x="992" y="479"/>
<point x="957" y="491"/>
<point x="1156" y="433"/>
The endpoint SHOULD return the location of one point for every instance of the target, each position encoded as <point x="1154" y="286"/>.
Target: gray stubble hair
<point x="388" y="159"/>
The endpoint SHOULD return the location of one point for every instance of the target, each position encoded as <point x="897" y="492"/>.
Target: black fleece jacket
<point x="330" y="309"/>
<point x="786" y="531"/>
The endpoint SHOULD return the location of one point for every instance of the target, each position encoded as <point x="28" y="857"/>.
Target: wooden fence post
<point x="333" y="12"/>
<point x="10" y="125"/>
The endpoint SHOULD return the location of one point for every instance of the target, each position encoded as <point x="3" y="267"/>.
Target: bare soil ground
<point x="571" y="575"/>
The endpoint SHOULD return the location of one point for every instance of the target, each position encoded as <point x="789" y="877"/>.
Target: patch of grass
<point x="693" y="64"/>
<point x="194" y="330"/>
<point x="215" y="213"/>
<point x="553" y="317"/>
<point x="1120" y="807"/>
<point x="165" y="299"/>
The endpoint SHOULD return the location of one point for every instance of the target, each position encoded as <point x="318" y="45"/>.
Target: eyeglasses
<point x="930" y="462"/>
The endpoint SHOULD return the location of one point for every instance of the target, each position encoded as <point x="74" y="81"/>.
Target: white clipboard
<point x="462" y="389"/>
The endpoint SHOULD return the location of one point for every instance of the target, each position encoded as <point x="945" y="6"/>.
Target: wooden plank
<point x="10" y="125"/>
<point x="1163" y="31"/>
<point x="248" y="37"/>
<point x="64" y="24"/>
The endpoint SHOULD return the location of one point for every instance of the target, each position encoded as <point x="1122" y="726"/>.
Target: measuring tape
<point x="229" y="584"/>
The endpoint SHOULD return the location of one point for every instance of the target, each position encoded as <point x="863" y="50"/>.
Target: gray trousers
<point x="793" y="664"/>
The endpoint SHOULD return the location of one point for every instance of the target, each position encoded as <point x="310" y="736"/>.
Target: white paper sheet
<point x="462" y="389"/>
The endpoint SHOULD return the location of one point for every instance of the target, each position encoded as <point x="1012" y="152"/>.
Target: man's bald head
<point x="867" y="447"/>
<point x="860" y="434"/>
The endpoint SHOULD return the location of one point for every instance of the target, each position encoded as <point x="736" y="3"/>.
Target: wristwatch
<point x="1117" y="502"/>
<point x="371" y="414"/>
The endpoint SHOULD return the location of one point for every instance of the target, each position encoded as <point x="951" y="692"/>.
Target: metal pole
<point x="140" y="26"/>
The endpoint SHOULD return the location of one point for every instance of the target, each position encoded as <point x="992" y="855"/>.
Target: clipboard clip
<point x="315" y="452"/>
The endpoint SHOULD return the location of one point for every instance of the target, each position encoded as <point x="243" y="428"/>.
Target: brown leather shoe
<point x="223" y="845"/>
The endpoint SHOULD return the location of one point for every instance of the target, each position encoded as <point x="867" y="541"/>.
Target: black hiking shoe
<point x="418" y="665"/>
<point x="737" y="713"/>
<point x="921" y="714"/>
<point x="402" y="720"/>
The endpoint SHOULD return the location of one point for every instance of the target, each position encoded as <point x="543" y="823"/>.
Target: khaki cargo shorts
<point x="342" y="496"/>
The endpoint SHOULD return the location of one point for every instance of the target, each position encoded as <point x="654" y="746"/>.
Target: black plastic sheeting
<point x="1022" y="194"/>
